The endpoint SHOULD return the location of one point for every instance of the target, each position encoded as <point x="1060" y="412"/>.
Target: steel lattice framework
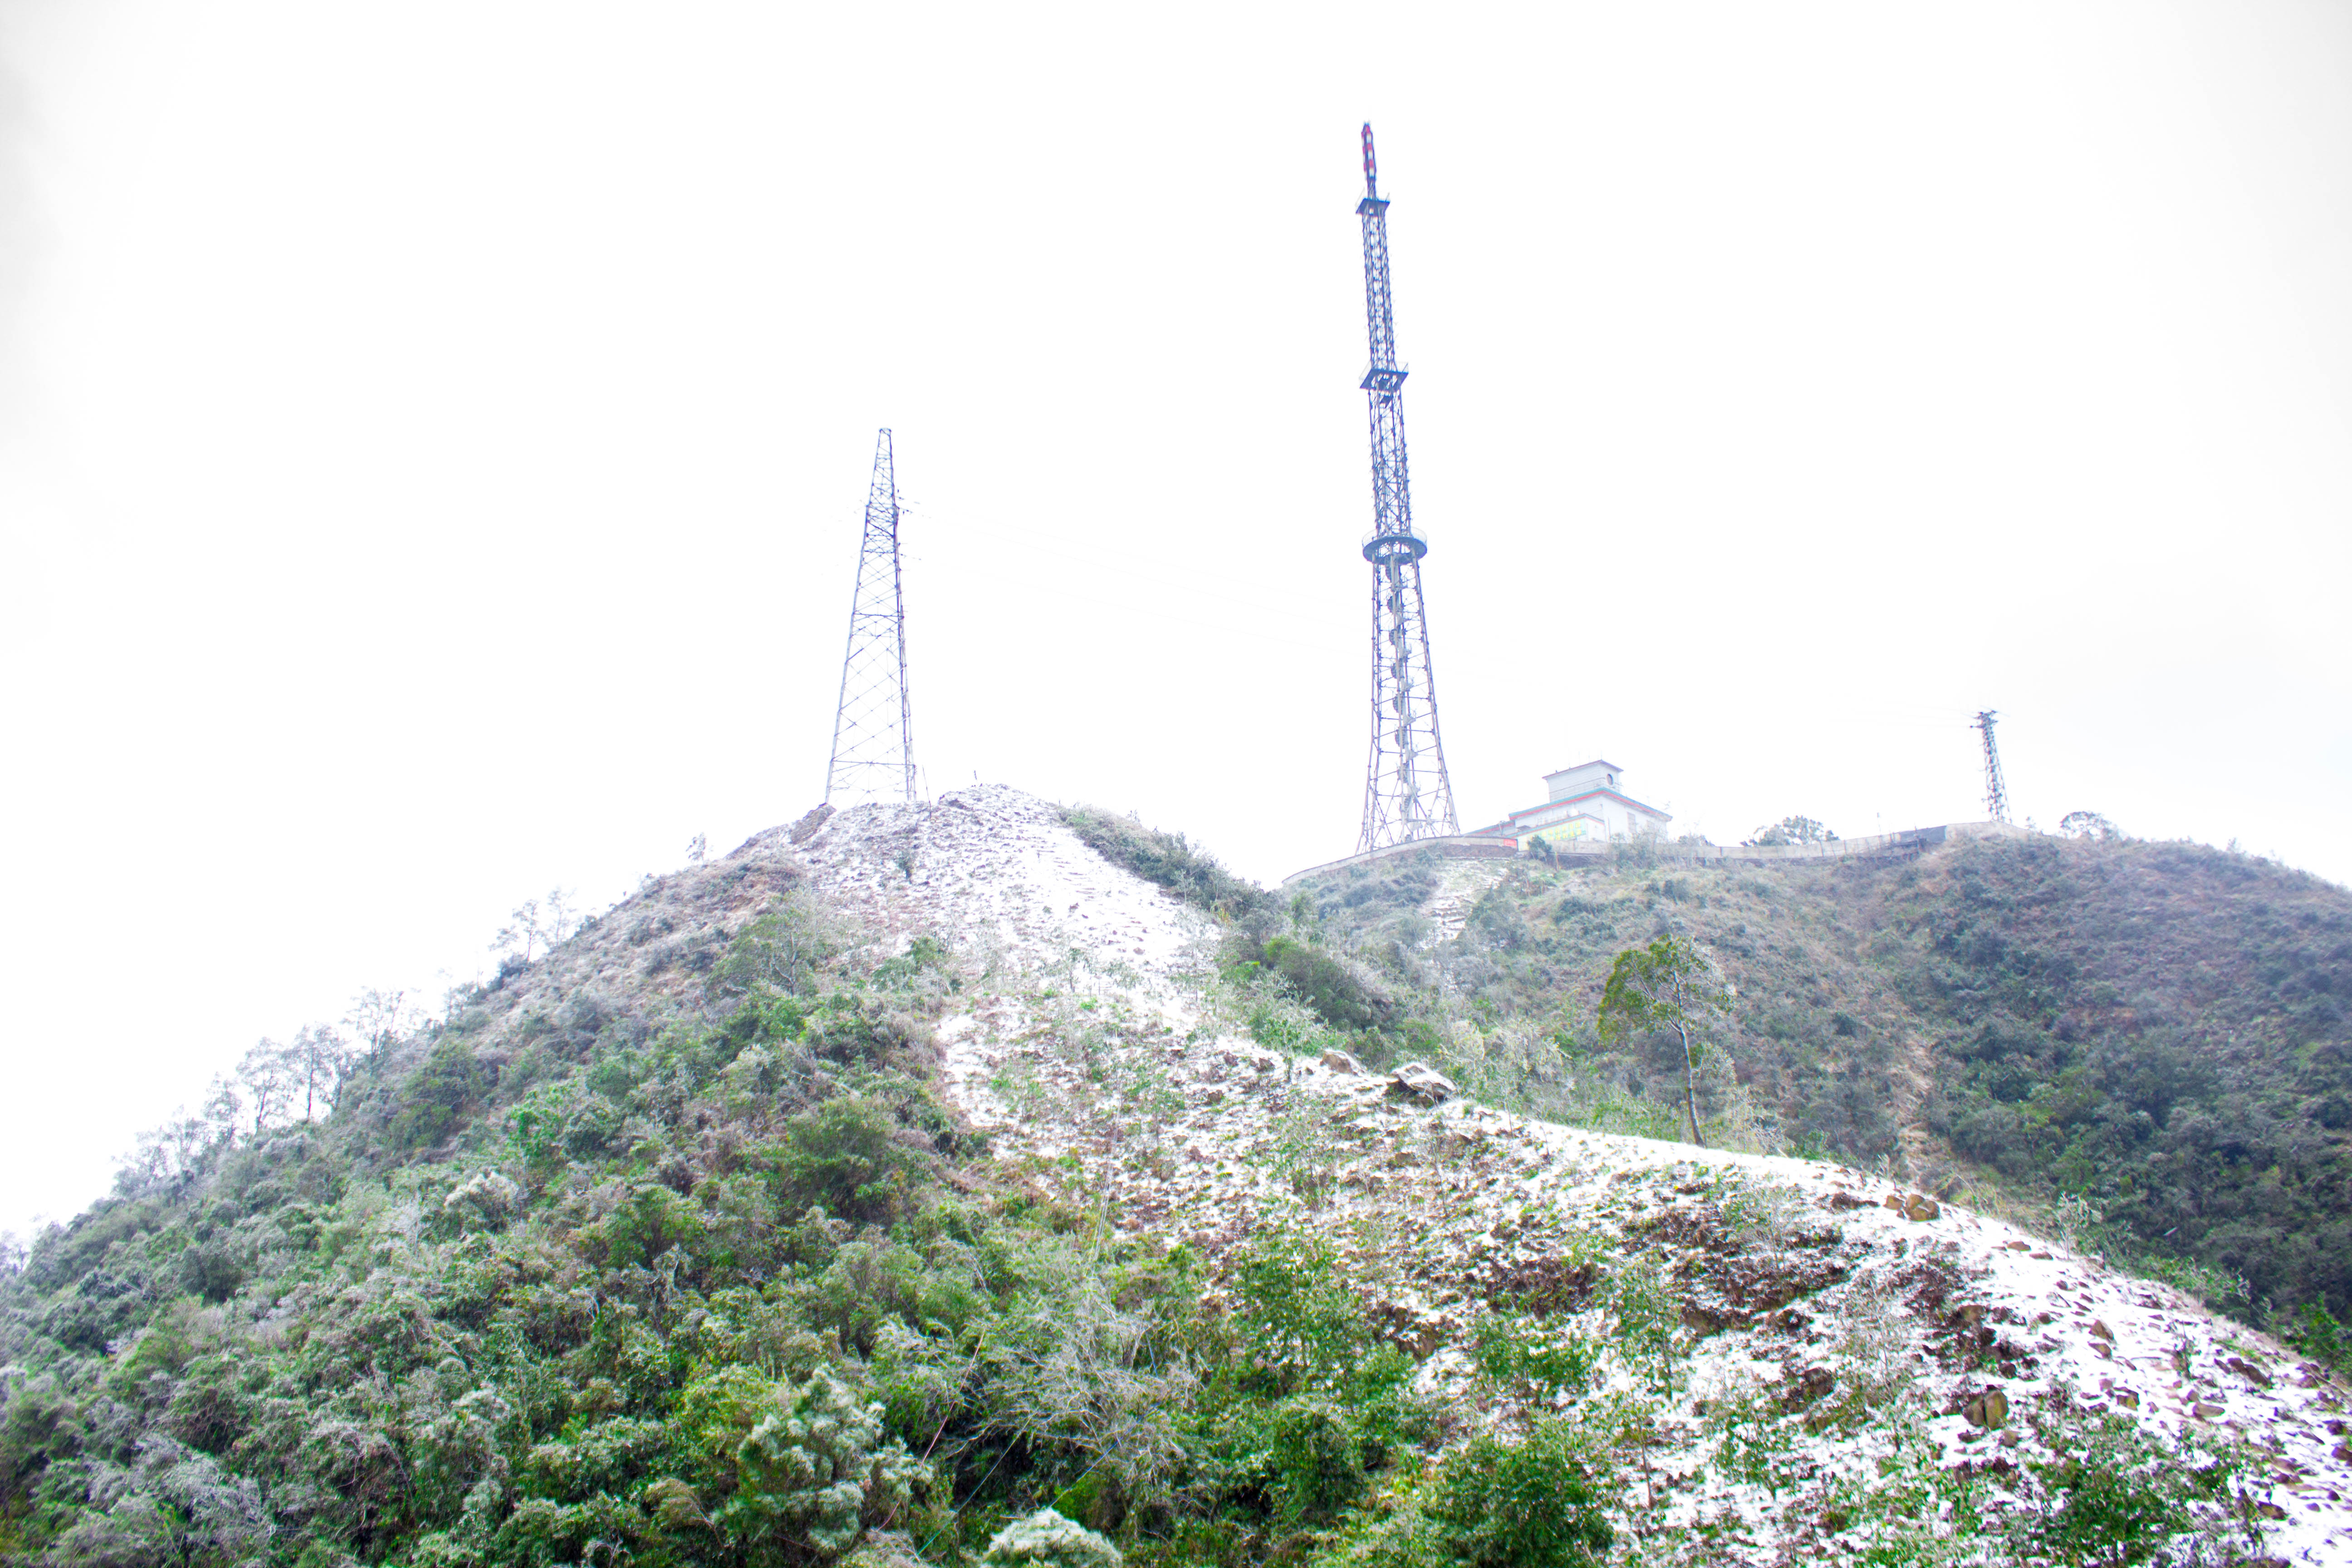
<point x="1996" y="791"/>
<point x="1406" y="794"/>
<point x="873" y="727"/>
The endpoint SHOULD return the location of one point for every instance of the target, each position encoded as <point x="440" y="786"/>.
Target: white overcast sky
<point x="433" y="436"/>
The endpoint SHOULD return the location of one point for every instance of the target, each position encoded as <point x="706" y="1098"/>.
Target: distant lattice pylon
<point x="1996" y="792"/>
<point x="873" y="727"/>
<point x="1406" y="793"/>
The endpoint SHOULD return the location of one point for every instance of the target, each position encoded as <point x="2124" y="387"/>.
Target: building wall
<point x="1905" y="846"/>
<point x="1563" y="825"/>
<point x="1595" y="816"/>
<point x="1574" y="782"/>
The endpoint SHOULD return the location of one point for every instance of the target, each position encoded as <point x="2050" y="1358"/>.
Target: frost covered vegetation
<point x="717" y="1282"/>
<point x="669" y="1246"/>
<point x="2144" y="1046"/>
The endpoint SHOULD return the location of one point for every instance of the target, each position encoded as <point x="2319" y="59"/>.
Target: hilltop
<point x="858" y="1195"/>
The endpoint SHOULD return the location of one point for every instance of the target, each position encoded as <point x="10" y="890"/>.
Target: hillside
<point x="2154" y="1034"/>
<point x="858" y="1196"/>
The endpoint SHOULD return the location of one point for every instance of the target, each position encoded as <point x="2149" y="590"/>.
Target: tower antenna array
<point x="1406" y="794"/>
<point x="1996" y="792"/>
<point x="873" y="727"/>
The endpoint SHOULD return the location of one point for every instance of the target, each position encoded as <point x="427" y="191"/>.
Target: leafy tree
<point x="380" y="1017"/>
<point x="1793" y="830"/>
<point x="2088" y="825"/>
<point x="1672" y="983"/>
<point x="268" y="1073"/>
<point x="779" y="952"/>
<point x="537" y="924"/>
<point x="316" y="1064"/>
<point x="222" y="1106"/>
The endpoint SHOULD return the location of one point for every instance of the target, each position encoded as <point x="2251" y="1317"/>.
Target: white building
<point x="1586" y="801"/>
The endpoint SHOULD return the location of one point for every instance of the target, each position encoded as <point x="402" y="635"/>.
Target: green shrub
<point x="1531" y="1360"/>
<point x="778" y="952"/>
<point x="814" y="1467"/>
<point x="1168" y="859"/>
<point x="2322" y="1338"/>
<point x="1541" y="1502"/>
<point x="1318" y="1458"/>
<point x="2120" y="1498"/>
<point x="1048" y="1539"/>
<point x="765" y="1019"/>
<point x="1340" y="995"/>
<point x="437" y="1094"/>
<point x="1649" y="1325"/>
<point x="541" y="1532"/>
<point x="1297" y="1321"/>
<point x="1538" y="1503"/>
<point x="647" y="1223"/>
<point x="846" y="1157"/>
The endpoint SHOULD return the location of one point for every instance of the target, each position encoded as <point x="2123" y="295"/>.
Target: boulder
<point x="1987" y="1410"/>
<point x="2249" y="1371"/>
<point x="1422" y="1082"/>
<point x="1339" y="1060"/>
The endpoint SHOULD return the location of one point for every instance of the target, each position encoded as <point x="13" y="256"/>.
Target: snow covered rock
<point x="1420" y="1081"/>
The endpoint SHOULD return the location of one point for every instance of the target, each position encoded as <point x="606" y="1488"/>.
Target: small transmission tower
<point x="1996" y="792"/>
<point x="873" y="729"/>
<point x="1406" y="795"/>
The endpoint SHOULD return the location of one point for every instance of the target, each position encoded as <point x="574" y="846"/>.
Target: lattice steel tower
<point x="873" y="729"/>
<point x="1996" y="792"/>
<point x="1406" y="795"/>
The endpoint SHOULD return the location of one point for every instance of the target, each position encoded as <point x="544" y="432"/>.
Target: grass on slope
<point x="665" y="1252"/>
<point x="633" y="1274"/>
<point x="2148" y="1039"/>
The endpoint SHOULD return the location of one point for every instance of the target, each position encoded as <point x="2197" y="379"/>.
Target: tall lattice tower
<point x="1996" y="792"/>
<point x="1406" y="795"/>
<point x="873" y="727"/>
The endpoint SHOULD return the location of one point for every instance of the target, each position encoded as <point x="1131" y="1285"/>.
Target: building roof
<point x="1618" y="795"/>
<point x="1595" y="763"/>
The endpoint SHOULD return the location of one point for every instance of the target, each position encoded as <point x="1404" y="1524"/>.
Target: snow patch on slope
<point x="1086" y="1046"/>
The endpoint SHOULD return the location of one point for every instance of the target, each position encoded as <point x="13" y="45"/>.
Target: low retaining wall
<point x="1454" y="846"/>
<point x="1908" y="845"/>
